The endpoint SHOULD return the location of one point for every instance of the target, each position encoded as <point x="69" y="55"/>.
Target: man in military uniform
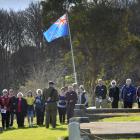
<point x="50" y="97"/>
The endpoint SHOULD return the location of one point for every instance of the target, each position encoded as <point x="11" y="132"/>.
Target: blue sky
<point x="15" y="4"/>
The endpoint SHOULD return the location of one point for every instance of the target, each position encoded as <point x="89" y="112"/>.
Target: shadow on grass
<point x="59" y="128"/>
<point x="63" y="138"/>
<point x="15" y="128"/>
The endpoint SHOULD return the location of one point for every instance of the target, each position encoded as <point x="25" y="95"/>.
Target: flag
<point x="58" y="29"/>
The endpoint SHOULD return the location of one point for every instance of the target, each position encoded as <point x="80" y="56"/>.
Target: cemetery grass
<point x="34" y="133"/>
<point x="122" y="119"/>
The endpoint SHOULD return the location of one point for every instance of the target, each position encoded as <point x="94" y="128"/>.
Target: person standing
<point x="71" y="98"/>
<point x="100" y="94"/>
<point x="138" y="96"/>
<point x="128" y="94"/>
<point x="30" y="107"/>
<point x="21" y="109"/>
<point x="75" y="87"/>
<point x="39" y="107"/>
<point x="114" y="94"/>
<point x="62" y="106"/>
<point x="50" y="96"/>
<point x="5" y="109"/>
<point x="12" y="104"/>
<point x="83" y="97"/>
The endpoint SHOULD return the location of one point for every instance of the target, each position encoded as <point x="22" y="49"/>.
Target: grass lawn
<point x="35" y="133"/>
<point x="41" y="133"/>
<point x="122" y="119"/>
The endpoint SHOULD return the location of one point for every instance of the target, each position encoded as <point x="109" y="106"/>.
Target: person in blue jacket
<point x="39" y="107"/>
<point x="128" y="94"/>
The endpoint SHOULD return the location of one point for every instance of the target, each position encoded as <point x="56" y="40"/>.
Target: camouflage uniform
<point x="50" y="97"/>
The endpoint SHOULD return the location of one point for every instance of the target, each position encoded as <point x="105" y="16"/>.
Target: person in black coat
<point x="21" y="109"/>
<point x="138" y="96"/>
<point x="114" y="93"/>
<point x="100" y="94"/>
<point x="71" y="99"/>
<point x="12" y="104"/>
<point x="39" y="107"/>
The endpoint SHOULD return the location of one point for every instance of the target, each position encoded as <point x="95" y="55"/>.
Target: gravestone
<point x="79" y="119"/>
<point x="79" y="110"/>
<point x="74" y="131"/>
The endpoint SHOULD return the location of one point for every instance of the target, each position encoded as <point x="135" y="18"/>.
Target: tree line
<point x="105" y="35"/>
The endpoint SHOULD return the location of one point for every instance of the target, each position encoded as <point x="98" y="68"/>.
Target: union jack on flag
<point x="58" y="29"/>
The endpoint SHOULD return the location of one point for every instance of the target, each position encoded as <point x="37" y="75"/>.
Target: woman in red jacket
<point x="21" y="109"/>
<point x="4" y="104"/>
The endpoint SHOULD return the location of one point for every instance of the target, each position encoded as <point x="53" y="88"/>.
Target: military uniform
<point x="50" y="97"/>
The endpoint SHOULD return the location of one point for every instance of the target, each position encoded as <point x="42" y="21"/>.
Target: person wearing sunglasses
<point x="114" y="93"/>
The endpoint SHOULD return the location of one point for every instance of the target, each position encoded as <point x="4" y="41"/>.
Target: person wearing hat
<point x="50" y="97"/>
<point x="114" y="93"/>
<point x="5" y="109"/>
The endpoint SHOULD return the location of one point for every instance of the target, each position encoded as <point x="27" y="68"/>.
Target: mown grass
<point x="41" y="133"/>
<point x="122" y="119"/>
<point x="35" y="133"/>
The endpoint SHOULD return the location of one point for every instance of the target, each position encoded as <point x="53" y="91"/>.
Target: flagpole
<point x="72" y="54"/>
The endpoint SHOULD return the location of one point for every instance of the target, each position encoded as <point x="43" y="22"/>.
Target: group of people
<point x="12" y="104"/>
<point x="47" y="102"/>
<point x="128" y="94"/>
<point x="43" y="104"/>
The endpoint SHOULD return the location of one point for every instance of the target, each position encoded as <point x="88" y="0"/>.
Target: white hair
<point x="82" y="87"/>
<point x="113" y="81"/>
<point x="128" y="80"/>
<point x="4" y="90"/>
<point x="19" y="94"/>
<point x="37" y="91"/>
<point x="100" y="80"/>
<point x="74" y="84"/>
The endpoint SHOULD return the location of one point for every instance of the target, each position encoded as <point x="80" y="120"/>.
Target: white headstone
<point x="74" y="131"/>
